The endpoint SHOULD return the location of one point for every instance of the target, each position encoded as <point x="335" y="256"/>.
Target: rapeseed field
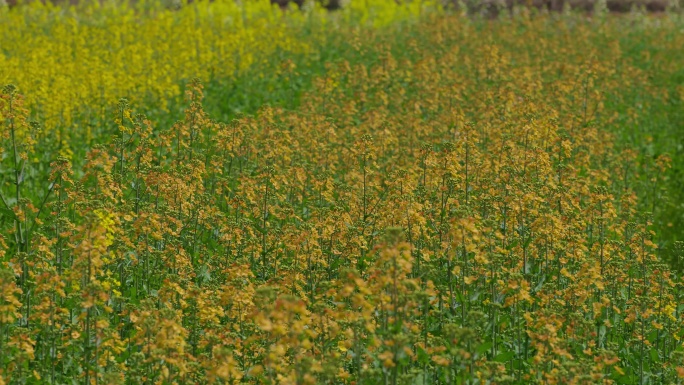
<point x="392" y="193"/>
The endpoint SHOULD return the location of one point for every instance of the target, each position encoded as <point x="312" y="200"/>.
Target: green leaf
<point x="423" y="357"/>
<point x="5" y="212"/>
<point x="419" y="379"/>
<point x="484" y="347"/>
<point x="504" y="357"/>
<point x="654" y="355"/>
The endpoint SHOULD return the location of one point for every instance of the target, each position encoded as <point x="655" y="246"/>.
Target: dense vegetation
<point x="384" y="195"/>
